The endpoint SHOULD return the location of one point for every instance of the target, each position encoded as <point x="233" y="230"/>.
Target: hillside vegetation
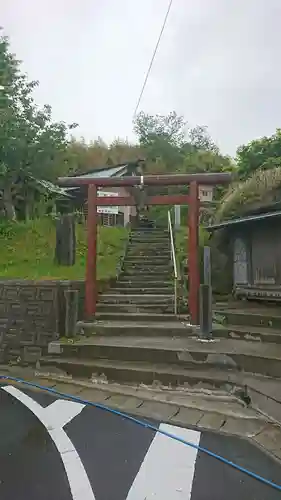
<point x="27" y="251"/>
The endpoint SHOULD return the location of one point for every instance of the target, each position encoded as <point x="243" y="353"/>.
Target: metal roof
<point x="106" y="172"/>
<point x="244" y="220"/>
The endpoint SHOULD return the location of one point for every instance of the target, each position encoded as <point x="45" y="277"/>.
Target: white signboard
<point x="205" y="193"/>
<point x="107" y="210"/>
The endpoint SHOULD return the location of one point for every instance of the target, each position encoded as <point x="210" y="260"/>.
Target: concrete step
<point x="251" y="317"/>
<point x="148" y="308"/>
<point x="137" y="317"/>
<point x="133" y="328"/>
<point x="250" y="333"/>
<point x="216" y="401"/>
<point x="111" y="298"/>
<point x="187" y="353"/>
<point x="128" y="371"/>
<point x="132" y="290"/>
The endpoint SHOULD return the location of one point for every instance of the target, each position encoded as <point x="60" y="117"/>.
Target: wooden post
<point x="65" y="240"/>
<point x="71" y="312"/>
<point x="193" y="258"/>
<point x="91" y="270"/>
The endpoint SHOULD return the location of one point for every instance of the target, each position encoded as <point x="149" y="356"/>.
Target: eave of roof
<point x="243" y="220"/>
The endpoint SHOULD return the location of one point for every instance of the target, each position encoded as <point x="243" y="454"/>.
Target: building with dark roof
<point x="109" y="215"/>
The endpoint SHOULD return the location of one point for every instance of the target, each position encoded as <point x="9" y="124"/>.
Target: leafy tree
<point x="264" y="153"/>
<point x="31" y="144"/>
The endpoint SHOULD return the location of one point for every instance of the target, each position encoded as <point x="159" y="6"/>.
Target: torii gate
<point x="191" y="199"/>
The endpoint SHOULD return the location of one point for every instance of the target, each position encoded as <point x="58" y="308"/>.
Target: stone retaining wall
<point x="32" y="314"/>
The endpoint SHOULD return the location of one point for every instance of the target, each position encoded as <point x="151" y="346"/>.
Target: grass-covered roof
<point x="260" y="190"/>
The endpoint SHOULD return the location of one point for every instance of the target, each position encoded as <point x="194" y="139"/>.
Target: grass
<point x="27" y="251"/>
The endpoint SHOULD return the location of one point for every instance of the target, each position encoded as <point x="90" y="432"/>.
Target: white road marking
<point x="54" y="417"/>
<point x="167" y="470"/>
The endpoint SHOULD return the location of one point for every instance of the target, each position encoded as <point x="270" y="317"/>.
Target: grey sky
<point x="218" y="63"/>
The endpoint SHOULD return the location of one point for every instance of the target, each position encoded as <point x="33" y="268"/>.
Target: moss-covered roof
<point x="261" y="190"/>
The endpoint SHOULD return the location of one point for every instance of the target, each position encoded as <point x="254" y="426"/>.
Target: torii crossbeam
<point x="191" y="199"/>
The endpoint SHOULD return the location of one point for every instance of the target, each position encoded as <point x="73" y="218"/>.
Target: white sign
<point x="206" y="193"/>
<point x="107" y="210"/>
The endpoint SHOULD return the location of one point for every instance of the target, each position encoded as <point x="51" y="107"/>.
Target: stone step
<point x="129" y="317"/>
<point x="255" y="317"/>
<point x="111" y="298"/>
<point x="147" y="246"/>
<point x="187" y="353"/>
<point x="122" y="283"/>
<point x="149" y="237"/>
<point x="132" y="290"/>
<point x="149" y="234"/>
<point x="249" y="333"/>
<point x="133" y="328"/>
<point x="154" y="273"/>
<point x="145" y="230"/>
<point x="147" y="268"/>
<point x="138" y="255"/>
<point x="148" y="252"/>
<point x="151" y="240"/>
<point x="148" y="261"/>
<point x="166" y="309"/>
<point x="151" y="277"/>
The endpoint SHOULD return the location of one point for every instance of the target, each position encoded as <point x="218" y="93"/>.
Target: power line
<point x="153" y="57"/>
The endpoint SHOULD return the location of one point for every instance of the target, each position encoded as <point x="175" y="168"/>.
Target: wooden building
<point x="109" y="216"/>
<point x="253" y="245"/>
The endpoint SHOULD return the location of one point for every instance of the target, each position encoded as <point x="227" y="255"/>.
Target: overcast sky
<point x="218" y="63"/>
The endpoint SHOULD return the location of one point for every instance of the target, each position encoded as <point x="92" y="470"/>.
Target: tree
<point x="207" y="161"/>
<point x="170" y="127"/>
<point x="200" y="139"/>
<point x="264" y="153"/>
<point x="161" y="139"/>
<point x="31" y="144"/>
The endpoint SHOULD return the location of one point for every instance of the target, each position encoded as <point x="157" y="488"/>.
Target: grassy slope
<point x="27" y="251"/>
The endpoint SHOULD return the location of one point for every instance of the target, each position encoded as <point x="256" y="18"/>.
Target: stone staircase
<point x="145" y="286"/>
<point x="136" y="340"/>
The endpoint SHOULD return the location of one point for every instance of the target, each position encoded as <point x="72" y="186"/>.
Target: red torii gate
<point x="191" y="199"/>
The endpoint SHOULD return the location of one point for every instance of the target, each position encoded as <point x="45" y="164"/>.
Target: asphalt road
<point x="56" y="449"/>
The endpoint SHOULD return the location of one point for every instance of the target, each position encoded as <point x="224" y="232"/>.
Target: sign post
<point x="107" y="210"/>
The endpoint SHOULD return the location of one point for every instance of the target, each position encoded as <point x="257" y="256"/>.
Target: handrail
<point x="174" y="260"/>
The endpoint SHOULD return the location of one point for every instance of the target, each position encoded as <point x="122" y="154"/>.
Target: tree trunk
<point x="8" y="203"/>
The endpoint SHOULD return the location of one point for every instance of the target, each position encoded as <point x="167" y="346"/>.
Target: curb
<point x="260" y="431"/>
